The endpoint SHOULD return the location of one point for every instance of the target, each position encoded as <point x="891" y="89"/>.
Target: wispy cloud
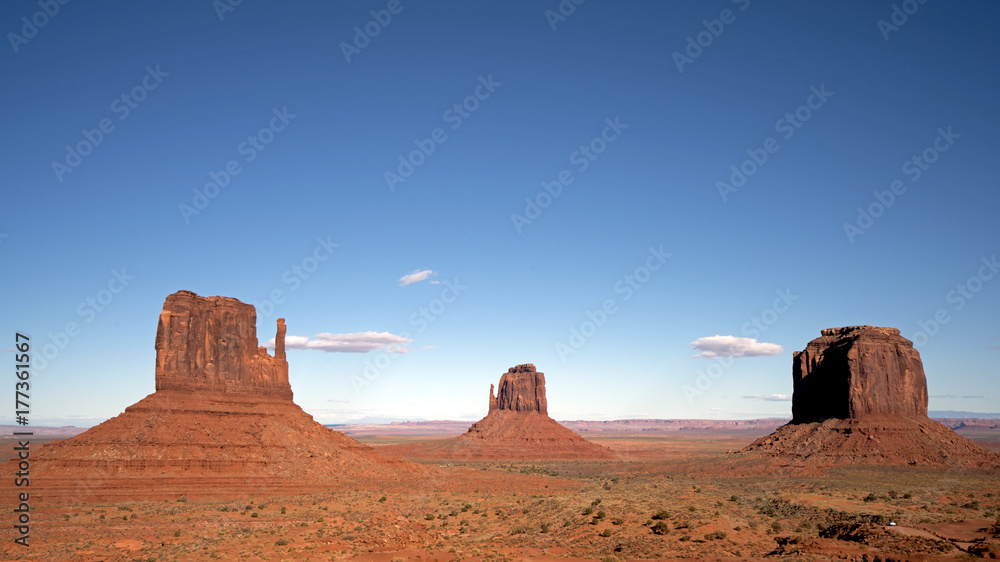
<point x="732" y="346"/>
<point x="415" y="277"/>
<point x="358" y="342"/>
<point x="770" y="397"/>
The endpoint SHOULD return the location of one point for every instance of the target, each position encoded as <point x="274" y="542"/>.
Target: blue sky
<point x="705" y="157"/>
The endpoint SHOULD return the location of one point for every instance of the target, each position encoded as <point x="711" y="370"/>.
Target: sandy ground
<point x="646" y="507"/>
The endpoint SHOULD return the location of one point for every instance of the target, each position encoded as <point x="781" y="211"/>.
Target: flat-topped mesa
<point x="857" y="372"/>
<point x="210" y="344"/>
<point x="522" y="389"/>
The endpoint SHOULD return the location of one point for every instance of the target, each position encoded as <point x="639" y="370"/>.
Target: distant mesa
<point x="221" y="422"/>
<point x="860" y="397"/>
<point x="517" y="427"/>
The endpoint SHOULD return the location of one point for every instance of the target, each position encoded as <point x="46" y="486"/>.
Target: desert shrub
<point x="601" y="515"/>
<point x="283" y="510"/>
<point x="870" y="497"/>
<point x="429" y="516"/>
<point x="776" y="527"/>
<point x="662" y="514"/>
<point x="588" y="511"/>
<point x="182" y="499"/>
<point x="734" y="498"/>
<point x="596" y="502"/>
<point x="715" y="535"/>
<point x="660" y="528"/>
<point x="254" y="514"/>
<point x="281" y="542"/>
<point x="686" y="538"/>
<point x="320" y="519"/>
<point x="382" y="499"/>
<point x="606" y="533"/>
<point x="544" y="527"/>
<point x="617" y="520"/>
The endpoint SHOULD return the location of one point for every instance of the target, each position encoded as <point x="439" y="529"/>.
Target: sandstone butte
<point x="860" y="397"/>
<point x="517" y="427"/>
<point x="220" y="423"/>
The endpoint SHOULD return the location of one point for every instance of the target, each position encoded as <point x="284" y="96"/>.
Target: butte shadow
<point x="860" y="398"/>
<point x="517" y="427"/>
<point x="221" y="424"/>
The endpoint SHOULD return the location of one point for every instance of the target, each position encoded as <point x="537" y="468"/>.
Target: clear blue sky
<point x="837" y="105"/>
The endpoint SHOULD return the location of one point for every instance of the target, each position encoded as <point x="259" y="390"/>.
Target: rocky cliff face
<point x="857" y="372"/>
<point x="522" y="389"/>
<point x="210" y="344"/>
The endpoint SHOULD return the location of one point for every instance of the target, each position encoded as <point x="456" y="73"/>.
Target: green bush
<point x="660" y="528"/>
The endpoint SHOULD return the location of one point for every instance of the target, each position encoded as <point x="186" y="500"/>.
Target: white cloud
<point x="358" y="342"/>
<point x="732" y="346"/>
<point x="770" y="397"/>
<point x="415" y="277"/>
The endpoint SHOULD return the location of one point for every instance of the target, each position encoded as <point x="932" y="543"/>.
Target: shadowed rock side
<point x="860" y="397"/>
<point x="220" y="424"/>
<point x="517" y="427"/>
<point x="856" y="372"/>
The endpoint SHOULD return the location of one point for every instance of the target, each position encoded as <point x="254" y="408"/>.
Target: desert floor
<point x="666" y="499"/>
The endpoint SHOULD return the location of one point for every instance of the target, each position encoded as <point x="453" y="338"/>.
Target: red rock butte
<point x="860" y="397"/>
<point x="517" y="427"/>
<point x="221" y="423"/>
